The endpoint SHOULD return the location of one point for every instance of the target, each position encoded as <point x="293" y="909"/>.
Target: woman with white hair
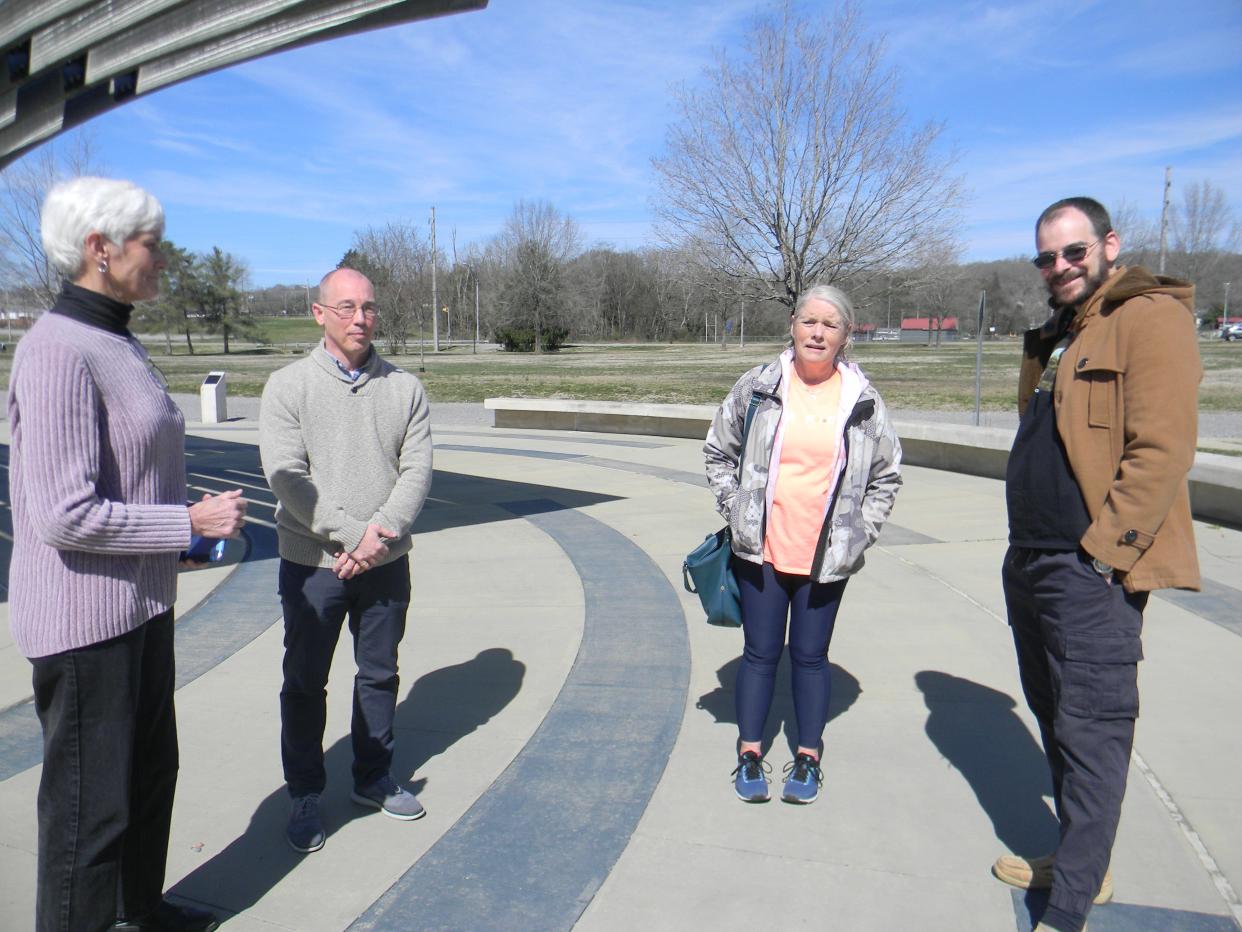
<point x="98" y="488"/>
<point x="805" y="466"/>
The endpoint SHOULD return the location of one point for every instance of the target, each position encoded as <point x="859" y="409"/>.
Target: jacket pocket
<point x="1099" y="676"/>
<point x="1102" y="378"/>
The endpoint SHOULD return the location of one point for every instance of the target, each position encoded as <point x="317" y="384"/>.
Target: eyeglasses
<point x="348" y="311"/>
<point x="1074" y="252"/>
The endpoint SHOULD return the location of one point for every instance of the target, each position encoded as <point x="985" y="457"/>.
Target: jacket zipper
<point x="763" y="523"/>
<point x="825" y="533"/>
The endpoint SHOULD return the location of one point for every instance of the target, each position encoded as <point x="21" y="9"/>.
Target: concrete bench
<point x="1215" y="480"/>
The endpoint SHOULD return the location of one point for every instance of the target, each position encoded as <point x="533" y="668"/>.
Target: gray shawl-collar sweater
<point x="340" y="454"/>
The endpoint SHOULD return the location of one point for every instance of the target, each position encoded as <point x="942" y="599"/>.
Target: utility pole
<point x="1226" y="306"/>
<point x="983" y="304"/>
<point x="435" y="298"/>
<point x="476" y="310"/>
<point x="1164" y="215"/>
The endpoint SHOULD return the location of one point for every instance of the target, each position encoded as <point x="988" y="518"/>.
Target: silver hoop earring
<point x="103" y="265"/>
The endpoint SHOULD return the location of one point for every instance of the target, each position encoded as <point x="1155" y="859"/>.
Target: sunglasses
<point x="1074" y="252"/>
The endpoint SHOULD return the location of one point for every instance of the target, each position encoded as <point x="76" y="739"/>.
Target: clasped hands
<point x="369" y="553"/>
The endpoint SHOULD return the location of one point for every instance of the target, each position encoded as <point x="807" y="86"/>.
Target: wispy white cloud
<point x="1111" y="143"/>
<point x="1203" y="53"/>
<point x="956" y="37"/>
<point x="283" y="158"/>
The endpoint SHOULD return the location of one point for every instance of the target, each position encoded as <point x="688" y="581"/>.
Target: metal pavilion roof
<point x="65" y="61"/>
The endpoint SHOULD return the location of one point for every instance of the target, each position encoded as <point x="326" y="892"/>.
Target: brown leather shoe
<point x="1036" y="874"/>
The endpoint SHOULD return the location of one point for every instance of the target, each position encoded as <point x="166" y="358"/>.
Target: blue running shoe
<point x="802" y="780"/>
<point x="750" y="778"/>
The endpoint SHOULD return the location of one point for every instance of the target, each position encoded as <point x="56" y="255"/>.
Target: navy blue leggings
<point x="769" y="598"/>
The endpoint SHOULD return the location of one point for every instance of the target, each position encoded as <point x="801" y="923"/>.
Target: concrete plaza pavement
<point x="566" y="716"/>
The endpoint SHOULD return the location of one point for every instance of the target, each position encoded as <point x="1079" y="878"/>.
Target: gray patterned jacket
<point x="865" y="489"/>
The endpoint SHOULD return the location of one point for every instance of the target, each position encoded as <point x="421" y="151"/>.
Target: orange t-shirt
<point x="808" y="458"/>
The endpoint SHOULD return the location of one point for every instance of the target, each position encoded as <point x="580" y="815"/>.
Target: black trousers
<point x="109" y="776"/>
<point x="1078" y="640"/>
<point x="315" y="604"/>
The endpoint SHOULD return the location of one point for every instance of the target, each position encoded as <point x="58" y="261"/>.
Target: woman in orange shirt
<point x="804" y="499"/>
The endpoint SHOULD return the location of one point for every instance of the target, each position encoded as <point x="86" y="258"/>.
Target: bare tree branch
<point x="23" y="186"/>
<point x="793" y="164"/>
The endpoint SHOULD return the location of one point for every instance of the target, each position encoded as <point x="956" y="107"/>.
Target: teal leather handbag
<point x="707" y="570"/>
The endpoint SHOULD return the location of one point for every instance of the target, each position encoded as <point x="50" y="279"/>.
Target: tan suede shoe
<point x="1036" y="874"/>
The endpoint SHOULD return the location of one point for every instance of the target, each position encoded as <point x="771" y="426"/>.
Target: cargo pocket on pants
<point x="1099" y="678"/>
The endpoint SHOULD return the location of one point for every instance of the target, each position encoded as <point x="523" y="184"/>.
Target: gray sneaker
<point x="305" y="831"/>
<point x="390" y="798"/>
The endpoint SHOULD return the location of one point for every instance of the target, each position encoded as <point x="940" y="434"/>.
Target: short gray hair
<point x="76" y="208"/>
<point x="838" y="299"/>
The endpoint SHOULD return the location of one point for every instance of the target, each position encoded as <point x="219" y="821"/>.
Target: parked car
<point x="1231" y="332"/>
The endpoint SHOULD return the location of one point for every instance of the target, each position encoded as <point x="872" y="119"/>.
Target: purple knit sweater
<point x="97" y="482"/>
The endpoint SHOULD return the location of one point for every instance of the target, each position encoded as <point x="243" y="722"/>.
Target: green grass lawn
<point x="908" y="376"/>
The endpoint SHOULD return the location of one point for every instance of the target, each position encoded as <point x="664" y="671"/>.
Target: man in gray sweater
<point x="345" y="439"/>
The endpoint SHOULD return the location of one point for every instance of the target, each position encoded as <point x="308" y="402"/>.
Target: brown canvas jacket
<point x="1126" y="401"/>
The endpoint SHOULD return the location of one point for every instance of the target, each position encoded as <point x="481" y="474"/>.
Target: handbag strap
<point x="750" y="416"/>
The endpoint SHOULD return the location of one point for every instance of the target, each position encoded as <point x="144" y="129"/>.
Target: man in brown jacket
<point x="1099" y="515"/>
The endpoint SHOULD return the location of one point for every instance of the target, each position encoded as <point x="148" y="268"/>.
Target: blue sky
<point x="280" y="160"/>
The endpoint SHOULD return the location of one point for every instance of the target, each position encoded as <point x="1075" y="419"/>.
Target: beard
<point x="1081" y="288"/>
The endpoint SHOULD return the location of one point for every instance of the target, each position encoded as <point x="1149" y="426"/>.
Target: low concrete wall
<point x="1215" y="480"/>
<point x="609" y="417"/>
<point x="975" y="451"/>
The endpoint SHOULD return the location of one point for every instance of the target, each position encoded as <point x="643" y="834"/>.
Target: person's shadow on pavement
<point x="720" y="701"/>
<point x="442" y="707"/>
<point x="977" y="730"/>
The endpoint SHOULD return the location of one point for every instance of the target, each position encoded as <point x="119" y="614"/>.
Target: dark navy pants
<point x="315" y="604"/>
<point x="769" y="600"/>
<point x="109" y="775"/>
<point x="1078" y="640"/>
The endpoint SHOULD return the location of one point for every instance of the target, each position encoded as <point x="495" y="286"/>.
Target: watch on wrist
<point x="1101" y="567"/>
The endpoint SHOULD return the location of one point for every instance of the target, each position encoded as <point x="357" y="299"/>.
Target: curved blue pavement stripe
<point x="21" y="739"/>
<point x="660" y="472"/>
<point x="230" y="617"/>
<point x="534" y="849"/>
<point x="1217" y="602"/>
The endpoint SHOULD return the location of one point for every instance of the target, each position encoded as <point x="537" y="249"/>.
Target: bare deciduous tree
<point x="1140" y="236"/>
<point x="936" y="280"/>
<point x="23" y="186"/>
<point x="397" y="259"/>
<point x="794" y="163"/>
<point x="1204" y="229"/>
<point x="536" y="243"/>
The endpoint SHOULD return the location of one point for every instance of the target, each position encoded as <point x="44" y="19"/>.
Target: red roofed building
<point x="914" y="329"/>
